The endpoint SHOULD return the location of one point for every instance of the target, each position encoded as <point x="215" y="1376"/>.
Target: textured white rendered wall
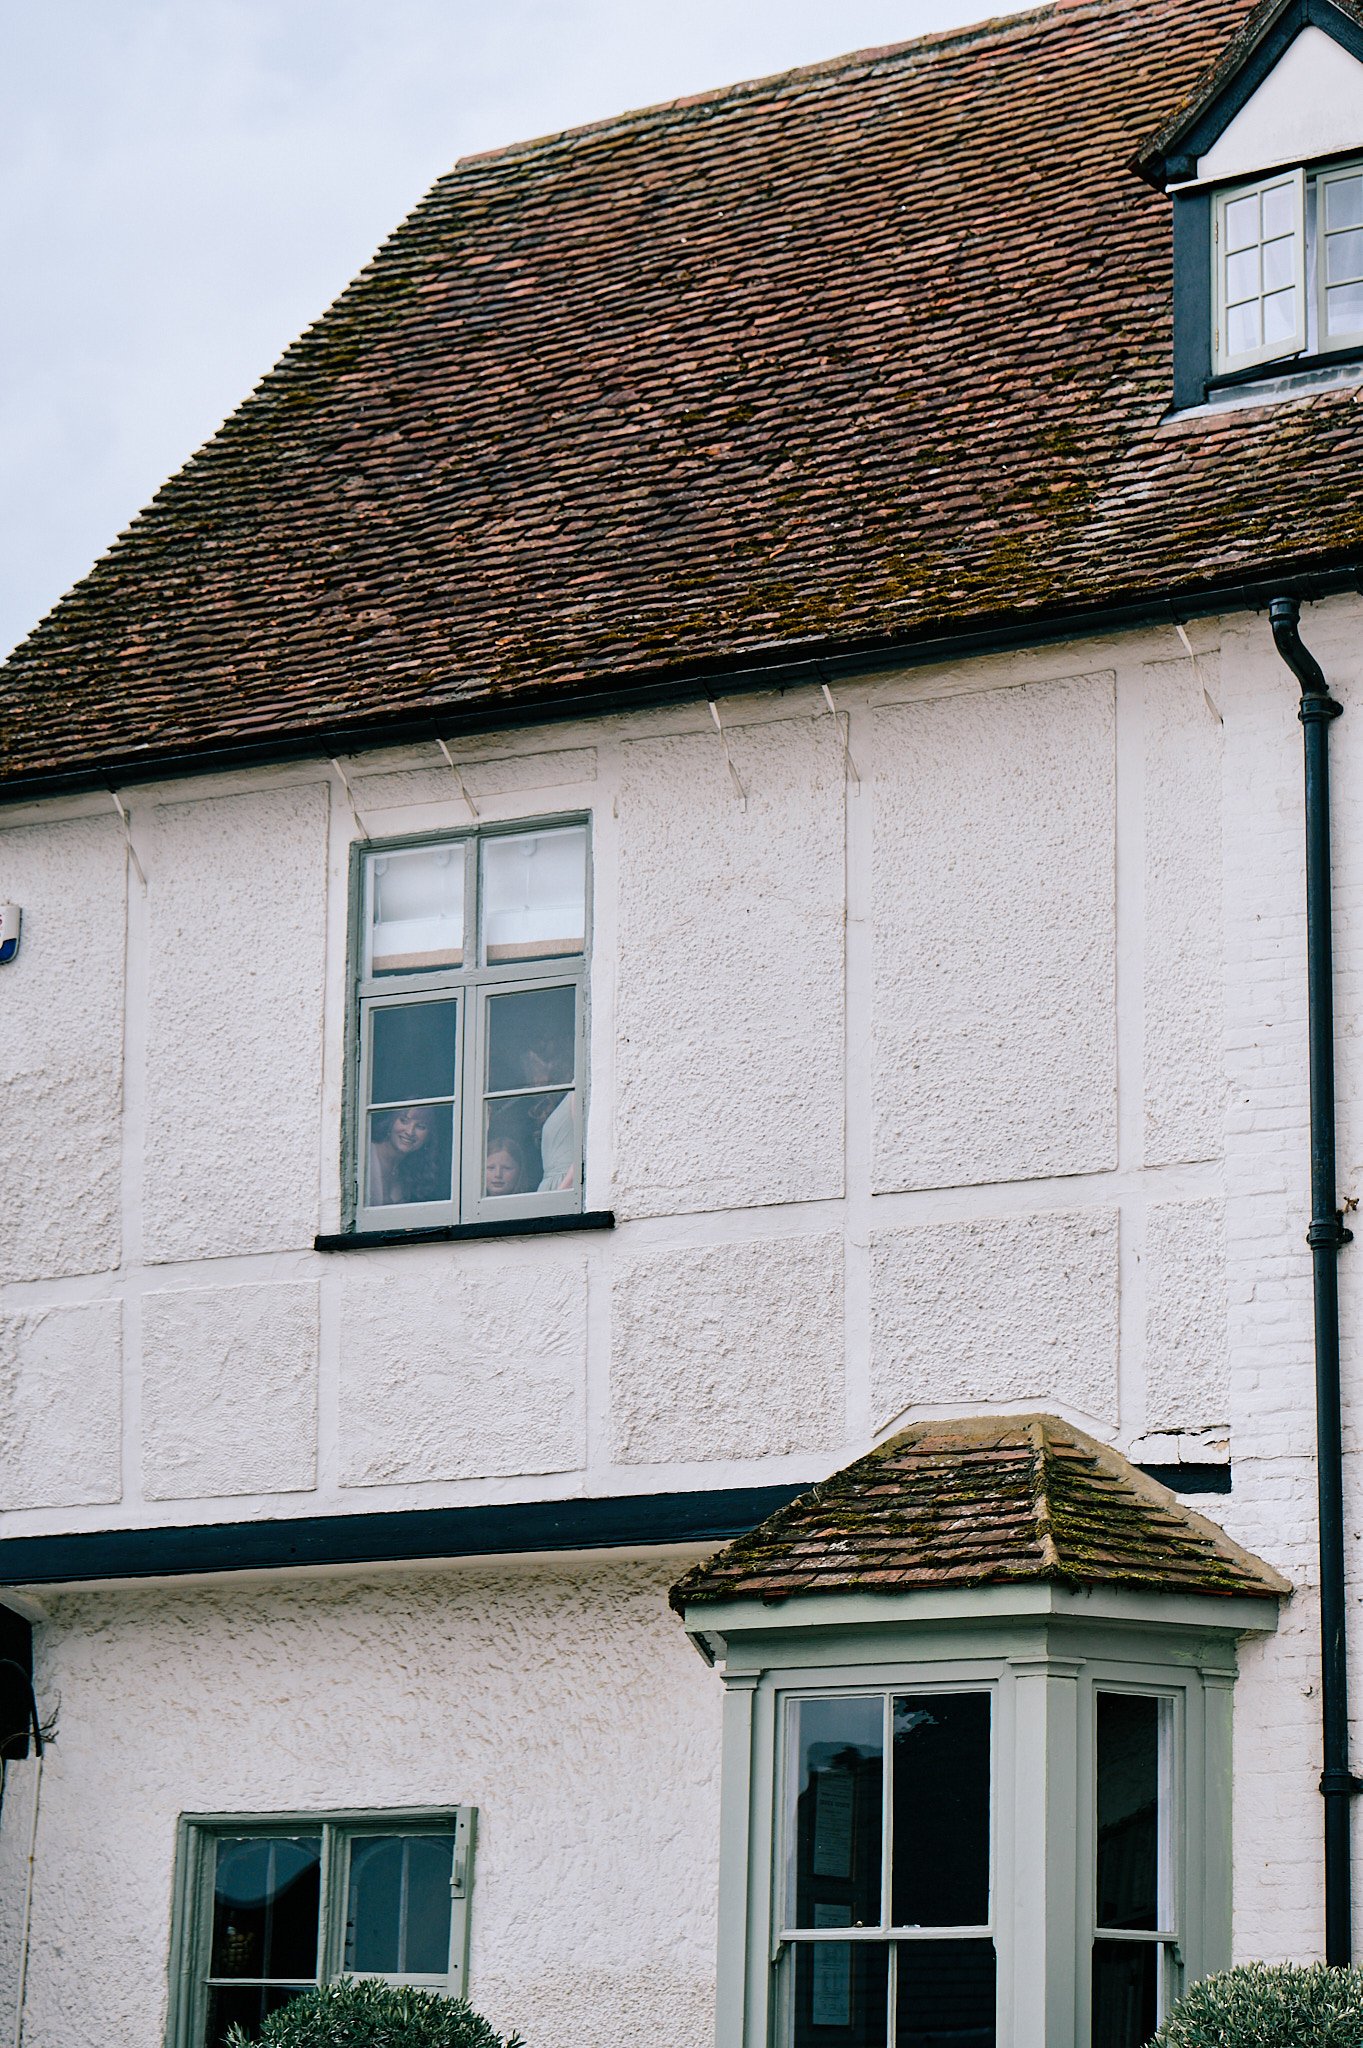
<point x="961" y="944"/>
<point x="567" y="1706"/>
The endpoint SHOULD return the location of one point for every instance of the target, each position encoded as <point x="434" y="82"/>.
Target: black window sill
<point x="454" y="1233"/>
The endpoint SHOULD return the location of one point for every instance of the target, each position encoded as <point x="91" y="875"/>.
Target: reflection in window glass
<point x="941" y="1810"/>
<point x="1342" y="208"/>
<point x="398" y="1905"/>
<point x="413" y="1056"/>
<point x="1128" y="1810"/>
<point x="416" y="909"/>
<point x="534" y="895"/>
<point x="266" y="1893"/>
<point x="839" y="1763"/>
<point x="841" y="1995"/>
<point x="945" y="1994"/>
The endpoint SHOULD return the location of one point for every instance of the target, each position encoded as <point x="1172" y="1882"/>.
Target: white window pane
<point x="1280" y="260"/>
<point x="410" y="1155"/>
<point x="1344" y="202"/>
<point x="1280" y="316"/>
<point x="1344" y="309"/>
<point x="416" y="909"/>
<point x="1280" y="211"/>
<point x="535" y="895"/>
<point x="1242" y="276"/>
<point x="1344" y="257"/>
<point x="1242" y="329"/>
<point x="1242" y="221"/>
<point x="398" y="1905"/>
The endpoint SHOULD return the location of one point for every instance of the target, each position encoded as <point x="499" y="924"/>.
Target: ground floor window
<point x="1135" y="1964"/>
<point x="269" y="1906"/>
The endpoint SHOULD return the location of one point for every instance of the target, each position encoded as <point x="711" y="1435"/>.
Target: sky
<point x="185" y="184"/>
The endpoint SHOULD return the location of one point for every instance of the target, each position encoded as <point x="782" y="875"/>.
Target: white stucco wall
<point x="962" y="1069"/>
<point x="592" y="1916"/>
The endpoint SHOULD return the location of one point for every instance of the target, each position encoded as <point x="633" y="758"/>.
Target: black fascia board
<point x="781" y="670"/>
<point x="1178" y="159"/>
<point x="412" y="1535"/>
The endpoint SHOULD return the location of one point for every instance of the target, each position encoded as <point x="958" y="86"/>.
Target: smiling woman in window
<point x="402" y="1165"/>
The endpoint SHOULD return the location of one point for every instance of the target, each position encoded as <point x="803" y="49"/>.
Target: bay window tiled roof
<point x="870" y="353"/>
<point x="984" y="1501"/>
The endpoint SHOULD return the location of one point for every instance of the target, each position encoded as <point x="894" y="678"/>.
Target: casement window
<point x="468" y="1072"/>
<point x="1288" y="264"/>
<point x="270" y="1906"/>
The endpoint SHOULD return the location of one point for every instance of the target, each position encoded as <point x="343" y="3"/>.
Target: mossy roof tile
<point x="984" y="1501"/>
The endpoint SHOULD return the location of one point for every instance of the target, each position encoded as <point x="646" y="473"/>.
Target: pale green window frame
<point x="471" y="985"/>
<point x="1330" y="245"/>
<point x="192" y="1909"/>
<point x="1278" y="206"/>
<point x="1046" y="1654"/>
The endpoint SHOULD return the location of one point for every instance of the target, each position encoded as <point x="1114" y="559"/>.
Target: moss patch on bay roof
<point x="984" y="1501"/>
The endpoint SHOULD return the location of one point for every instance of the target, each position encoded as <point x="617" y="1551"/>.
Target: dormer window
<point x="1265" y="170"/>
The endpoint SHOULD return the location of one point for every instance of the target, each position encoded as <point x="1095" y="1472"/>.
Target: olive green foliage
<point x="361" y="2012"/>
<point x="1262" y="2005"/>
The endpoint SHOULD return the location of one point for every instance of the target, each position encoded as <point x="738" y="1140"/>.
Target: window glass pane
<point x="1344" y="309"/>
<point x="532" y="1039"/>
<point x="266" y="1891"/>
<point x="1344" y="257"/>
<point x="841" y="1994"/>
<point x="534" y="895"/>
<point x="1242" y="275"/>
<point x="1125" y="1975"/>
<point x="410" y="1154"/>
<point x="1128" y="1810"/>
<point x="1280" y="211"/>
<point x="1242" y="328"/>
<point x="941" y="1810"/>
<point x="413" y="1052"/>
<point x="839" y="1756"/>
<point x="1279" y="259"/>
<point x="1242" y="221"/>
<point x="398" y="1905"/>
<point x="245" y="2008"/>
<point x="1280" y="316"/>
<point x="946" y="1995"/>
<point x="416" y="909"/>
<point x="1344" y="202"/>
<point x="532" y="1133"/>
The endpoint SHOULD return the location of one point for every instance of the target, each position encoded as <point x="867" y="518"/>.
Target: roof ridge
<point x="661" y="112"/>
<point x="1041" y="1496"/>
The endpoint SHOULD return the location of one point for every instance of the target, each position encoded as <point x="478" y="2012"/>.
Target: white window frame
<point x="192" y="1913"/>
<point x="1045" y="1653"/>
<point x="470" y="985"/>
<point x="1328" y="343"/>
<point x="1224" y="362"/>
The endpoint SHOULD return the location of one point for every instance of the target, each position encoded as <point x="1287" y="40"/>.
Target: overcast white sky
<point x="184" y="184"/>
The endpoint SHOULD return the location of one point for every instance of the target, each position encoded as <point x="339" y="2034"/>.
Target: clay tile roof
<point x="985" y="1501"/>
<point x="874" y="352"/>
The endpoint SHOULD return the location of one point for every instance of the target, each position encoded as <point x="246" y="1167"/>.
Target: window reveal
<point x="471" y="1028"/>
<point x="901" y="1858"/>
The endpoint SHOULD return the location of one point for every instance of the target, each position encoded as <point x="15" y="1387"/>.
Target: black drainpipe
<point x="1325" y="1237"/>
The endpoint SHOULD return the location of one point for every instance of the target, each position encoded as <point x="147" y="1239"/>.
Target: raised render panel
<point x="61" y="1049"/>
<point x="994" y="1018"/>
<point x="462" y="1371"/>
<point x="229" y="1391"/>
<point x="500" y="776"/>
<point x="60" y="1406"/>
<point x="1187" y="1362"/>
<point x="996" y="1309"/>
<point x="1185" y="1072"/>
<point x="730" y="984"/>
<point x="237" y="903"/>
<point x="728" y="1351"/>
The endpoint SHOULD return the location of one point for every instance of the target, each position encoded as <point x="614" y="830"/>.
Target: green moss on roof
<point x="984" y="1501"/>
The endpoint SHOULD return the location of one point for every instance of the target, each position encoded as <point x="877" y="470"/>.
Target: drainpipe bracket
<point x="1340" y="1782"/>
<point x="1327" y="1233"/>
<point x="1315" y="704"/>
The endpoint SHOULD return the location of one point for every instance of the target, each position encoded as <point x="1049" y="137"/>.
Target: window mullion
<point x="887" y="1815"/>
<point x="331" y="1911"/>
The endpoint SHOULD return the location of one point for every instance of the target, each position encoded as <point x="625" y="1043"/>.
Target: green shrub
<point x="1262" y="2005"/>
<point x="361" y="2012"/>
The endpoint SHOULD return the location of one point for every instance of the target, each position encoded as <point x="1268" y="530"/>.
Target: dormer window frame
<point x="1278" y="237"/>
